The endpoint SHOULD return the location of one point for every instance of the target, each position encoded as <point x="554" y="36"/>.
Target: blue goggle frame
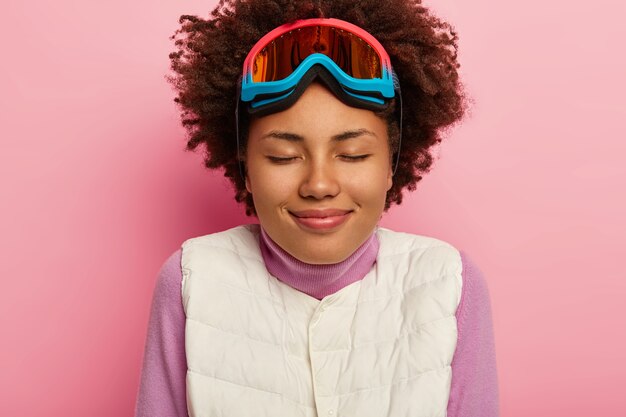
<point x="375" y="90"/>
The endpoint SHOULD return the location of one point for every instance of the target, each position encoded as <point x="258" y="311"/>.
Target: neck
<point x="316" y="280"/>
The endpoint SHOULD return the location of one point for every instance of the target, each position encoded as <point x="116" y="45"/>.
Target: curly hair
<point x="422" y="48"/>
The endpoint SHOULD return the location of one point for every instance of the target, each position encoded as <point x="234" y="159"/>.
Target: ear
<point x="248" y="187"/>
<point x="389" y="178"/>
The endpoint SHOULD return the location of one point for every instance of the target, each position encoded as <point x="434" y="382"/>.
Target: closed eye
<point x="280" y="159"/>
<point x="354" y="157"/>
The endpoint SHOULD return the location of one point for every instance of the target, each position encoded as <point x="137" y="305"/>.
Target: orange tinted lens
<point x="283" y="55"/>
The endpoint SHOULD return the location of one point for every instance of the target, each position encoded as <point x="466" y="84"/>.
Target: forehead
<point x="362" y="134"/>
<point x="319" y="116"/>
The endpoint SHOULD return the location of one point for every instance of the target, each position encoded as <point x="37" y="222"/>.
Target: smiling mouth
<point x="321" y="219"/>
<point x="318" y="214"/>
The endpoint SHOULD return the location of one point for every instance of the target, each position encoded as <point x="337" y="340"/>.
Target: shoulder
<point x="171" y="265"/>
<point x="168" y="283"/>
<point x="424" y="255"/>
<point x="474" y="282"/>
<point x="418" y="259"/>
<point x="240" y="239"/>
<point x="475" y="303"/>
<point x="396" y="243"/>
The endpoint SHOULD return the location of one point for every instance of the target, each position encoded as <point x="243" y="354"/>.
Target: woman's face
<point x="319" y="173"/>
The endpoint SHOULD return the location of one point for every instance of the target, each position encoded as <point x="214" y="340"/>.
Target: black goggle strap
<point x="396" y="85"/>
<point x="239" y="160"/>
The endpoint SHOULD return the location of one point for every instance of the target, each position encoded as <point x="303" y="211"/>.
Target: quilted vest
<point x="380" y="347"/>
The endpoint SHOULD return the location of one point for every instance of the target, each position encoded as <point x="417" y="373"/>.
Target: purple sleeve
<point x="162" y="388"/>
<point x="474" y="387"/>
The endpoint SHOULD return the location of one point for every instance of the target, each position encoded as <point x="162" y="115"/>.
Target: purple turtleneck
<point x="318" y="280"/>
<point x="162" y="389"/>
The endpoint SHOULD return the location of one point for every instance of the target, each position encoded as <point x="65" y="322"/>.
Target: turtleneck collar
<point x="318" y="280"/>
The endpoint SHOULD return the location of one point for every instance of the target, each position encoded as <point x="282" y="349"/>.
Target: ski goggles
<point x="348" y="59"/>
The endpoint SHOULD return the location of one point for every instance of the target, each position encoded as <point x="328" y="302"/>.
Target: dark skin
<point x="423" y="52"/>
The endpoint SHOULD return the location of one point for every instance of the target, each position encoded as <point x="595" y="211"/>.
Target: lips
<point x="319" y="214"/>
<point x="320" y="219"/>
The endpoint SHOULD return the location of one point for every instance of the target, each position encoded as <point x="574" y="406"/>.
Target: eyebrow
<point x="292" y="137"/>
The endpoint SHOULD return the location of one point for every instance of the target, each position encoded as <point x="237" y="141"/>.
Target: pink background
<point x="97" y="192"/>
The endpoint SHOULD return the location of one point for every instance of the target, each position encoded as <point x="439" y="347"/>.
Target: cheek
<point x="370" y="185"/>
<point x="268" y="185"/>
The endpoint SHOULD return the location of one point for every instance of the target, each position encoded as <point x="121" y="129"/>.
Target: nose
<point x="319" y="181"/>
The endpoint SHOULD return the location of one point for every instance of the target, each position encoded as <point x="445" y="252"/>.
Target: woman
<point x="316" y="310"/>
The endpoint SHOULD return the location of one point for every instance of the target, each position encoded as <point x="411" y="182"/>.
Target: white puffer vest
<point x="380" y="347"/>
